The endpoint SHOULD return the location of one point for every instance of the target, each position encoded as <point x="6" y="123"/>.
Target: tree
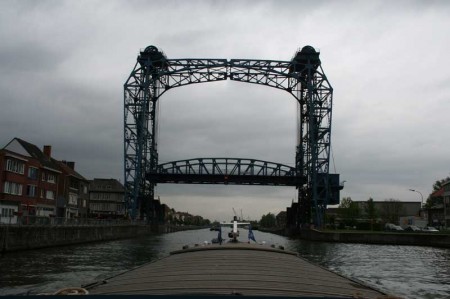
<point x="349" y="211"/>
<point x="437" y="199"/>
<point x="268" y="220"/>
<point x="345" y="202"/>
<point x="438" y="184"/>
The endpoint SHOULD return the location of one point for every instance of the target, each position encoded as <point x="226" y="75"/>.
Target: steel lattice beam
<point x="225" y="171"/>
<point x="302" y="77"/>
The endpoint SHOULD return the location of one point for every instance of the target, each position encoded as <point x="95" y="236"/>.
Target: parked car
<point x="397" y="228"/>
<point x="412" y="228"/>
<point x="430" y="229"/>
<point x="392" y="227"/>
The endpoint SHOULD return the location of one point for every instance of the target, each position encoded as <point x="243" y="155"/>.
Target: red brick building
<point x="73" y="192"/>
<point x="28" y="181"/>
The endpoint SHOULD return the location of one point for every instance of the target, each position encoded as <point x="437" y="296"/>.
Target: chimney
<point x="71" y="165"/>
<point x="48" y="150"/>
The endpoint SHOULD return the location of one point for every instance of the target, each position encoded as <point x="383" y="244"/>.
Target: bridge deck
<point x="225" y="179"/>
<point x="251" y="270"/>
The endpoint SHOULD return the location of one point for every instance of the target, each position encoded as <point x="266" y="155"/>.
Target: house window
<point x="15" y="166"/>
<point x="32" y="173"/>
<point x="7" y="212"/>
<point x="72" y="199"/>
<point x="12" y="188"/>
<point x="49" y="194"/>
<point x="51" y="178"/>
<point x="42" y="193"/>
<point x="48" y="177"/>
<point x="74" y="184"/>
<point x="31" y="190"/>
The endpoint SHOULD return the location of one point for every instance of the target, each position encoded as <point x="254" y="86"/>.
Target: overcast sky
<point x="63" y="65"/>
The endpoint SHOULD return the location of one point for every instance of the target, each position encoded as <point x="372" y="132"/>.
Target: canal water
<point x="406" y="271"/>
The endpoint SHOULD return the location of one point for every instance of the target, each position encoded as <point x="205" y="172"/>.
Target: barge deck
<point x="233" y="269"/>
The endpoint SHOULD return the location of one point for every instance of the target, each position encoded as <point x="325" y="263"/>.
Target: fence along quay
<point x="38" y="232"/>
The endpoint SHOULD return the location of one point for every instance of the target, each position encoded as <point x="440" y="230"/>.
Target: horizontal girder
<point x="225" y="171"/>
<point x="180" y="72"/>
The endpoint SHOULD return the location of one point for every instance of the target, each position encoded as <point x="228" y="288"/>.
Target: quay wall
<point x="412" y="239"/>
<point x="15" y="238"/>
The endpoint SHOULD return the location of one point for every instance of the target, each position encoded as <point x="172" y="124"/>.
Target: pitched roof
<point x="36" y="153"/>
<point x="67" y="170"/>
<point x="100" y="184"/>
<point x="437" y="193"/>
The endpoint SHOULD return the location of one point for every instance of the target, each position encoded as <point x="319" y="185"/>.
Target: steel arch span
<point x="302" y="76"/>
<point x="237" y="171"/>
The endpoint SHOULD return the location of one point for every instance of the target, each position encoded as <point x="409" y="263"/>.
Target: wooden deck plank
<point x="244" y="271"/>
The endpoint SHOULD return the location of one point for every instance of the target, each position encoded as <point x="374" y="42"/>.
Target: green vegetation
<point x="349" y="212"/>
<point x="434" y="200"/>
<point x="268" y="221"/>
<point x="364" y="215"/>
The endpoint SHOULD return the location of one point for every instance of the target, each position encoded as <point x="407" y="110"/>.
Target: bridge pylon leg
<point x="141" y="93"/>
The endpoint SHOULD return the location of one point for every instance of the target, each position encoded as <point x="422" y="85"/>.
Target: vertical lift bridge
<point x="302" y="77"/>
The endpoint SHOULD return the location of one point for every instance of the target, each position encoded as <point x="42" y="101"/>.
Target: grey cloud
<point x="63" y="65"/>
<point x="28" y="57"/>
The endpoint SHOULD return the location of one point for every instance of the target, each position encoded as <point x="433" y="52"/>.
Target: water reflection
<point x="409" y="271"/>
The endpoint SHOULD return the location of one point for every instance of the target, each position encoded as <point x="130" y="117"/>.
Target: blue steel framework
<point x="302" y="77"/>
<point x="225" y="171"/>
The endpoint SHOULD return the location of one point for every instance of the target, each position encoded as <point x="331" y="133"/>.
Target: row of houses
<point x="163" y="214"/>
<point x="33" y="183"/>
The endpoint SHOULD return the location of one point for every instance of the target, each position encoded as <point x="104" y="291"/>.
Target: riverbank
<point x="15" y="238"/>
<point x="369" y="237"/>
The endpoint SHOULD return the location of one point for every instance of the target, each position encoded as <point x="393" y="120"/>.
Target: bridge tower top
<point x="153" y="56"/>
<point x="306" y="58"/>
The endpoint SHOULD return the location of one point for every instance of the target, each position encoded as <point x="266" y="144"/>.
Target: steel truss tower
<point x="302" y="77"/>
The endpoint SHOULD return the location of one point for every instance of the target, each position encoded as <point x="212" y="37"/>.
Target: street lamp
<point x="420" y="195"/>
